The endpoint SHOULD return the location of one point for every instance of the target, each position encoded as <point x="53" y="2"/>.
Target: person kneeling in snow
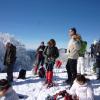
<point x="6" y="91"/>
<point x="50" y="54"/>
<point x="82" y="89"/>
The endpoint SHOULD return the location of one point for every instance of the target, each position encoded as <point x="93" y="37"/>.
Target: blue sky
<point x="33" y="21"/>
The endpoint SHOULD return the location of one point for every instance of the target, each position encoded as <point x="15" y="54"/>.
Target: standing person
<point x="39" y="56"/>
<point x="81" y="59"/>
<point x="72" y="53"/>
<point x="6" y="91"/>
<point x="51" y="53"/>
<point x="97" y="55"/>
<point x="9" y="60"/>
<point x="92" y="50"/>
<point x="82" y="89"/>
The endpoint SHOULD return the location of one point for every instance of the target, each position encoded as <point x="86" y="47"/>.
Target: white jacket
<point x="84" y="92"/>
<point x="10" y="95"/>
<point x="73" y="53"/>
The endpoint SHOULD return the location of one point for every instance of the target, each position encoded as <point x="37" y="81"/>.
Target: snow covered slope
<point x="32" y="87"/>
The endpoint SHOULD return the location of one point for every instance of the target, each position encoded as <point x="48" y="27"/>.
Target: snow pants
<point x="71" y="68"/>
<point x="81" y="65"/>
<point x="10" y="72"/>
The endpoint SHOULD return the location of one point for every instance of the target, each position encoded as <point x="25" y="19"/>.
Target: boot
<point x="46" y="80"/>
<point x="50" y="76"/>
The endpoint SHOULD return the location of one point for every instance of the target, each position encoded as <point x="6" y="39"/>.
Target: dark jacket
<point x="51" y="53"/>
<point x="40" y="50"/>
<point x="97" y="51"/>
<point x="10" y="55"/>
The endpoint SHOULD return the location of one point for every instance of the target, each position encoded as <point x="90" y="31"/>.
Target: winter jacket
<point x="40" y="49"/>
<point x="84" y="92"/>
<point x="97" y="51"/>
<point x="10" y="55"/>
<point x="73" y="48"/>
<point x="39" y="52"/>
<point x="51" y="53"/>
<point x="10" y="95"/>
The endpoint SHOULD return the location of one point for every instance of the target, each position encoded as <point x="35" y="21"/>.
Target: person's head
<point x="52" y="42"/>
<point x="72" y="31"/>
<point x="4" y="86"/>
<point x="81" y="79"/>
<point x="48" y="43"/>
<point x="8" y="45"/>
<point x="42" y="43"/>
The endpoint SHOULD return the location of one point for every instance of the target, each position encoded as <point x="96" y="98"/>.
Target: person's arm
<point x="73" y="89"/>
<point x="90" y="94"/>
<point x="45" y="50"/>
<point x="56" y="53"/>
<point x="5" y="58"/>
<point x="77" y="45"/>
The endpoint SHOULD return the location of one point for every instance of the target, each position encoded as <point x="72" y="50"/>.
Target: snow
<point x="32" y="87"/>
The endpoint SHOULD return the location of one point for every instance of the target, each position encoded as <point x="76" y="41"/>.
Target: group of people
<point x="47" y="54"/>
<point x="75" y="65"/>
<point x="80" y="86"/>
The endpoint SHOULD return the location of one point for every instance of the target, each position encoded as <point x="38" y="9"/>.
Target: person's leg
<point x="38" y="60"/>
<point x="78" y="66"/>
<point x="50" y="72"/>
<point x="98" y="73"/>
<point x="73" y="68"/>
<point x="82" y="66"/>
<point x="47" y="71"/>
<point x="68" y="71"/>
<point x="98" y="68"/>
<point x="10" y="72"/>
<point x="42" y="61"/>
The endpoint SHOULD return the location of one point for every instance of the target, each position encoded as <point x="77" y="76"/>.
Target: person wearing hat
<point x="6" y="91"/>
<point x="39" y="57"/>
<point x="9" y="60"/>
<point x="72" y="53"/>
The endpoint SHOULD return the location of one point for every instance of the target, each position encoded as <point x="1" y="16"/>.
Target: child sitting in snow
<point x="6" y="92"/>
<point x="82" y="89"/>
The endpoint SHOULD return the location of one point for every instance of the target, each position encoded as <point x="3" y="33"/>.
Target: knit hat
<point x="42" y="42"/>
<point x="73" y="29"/>
<point x="4" y="84"/>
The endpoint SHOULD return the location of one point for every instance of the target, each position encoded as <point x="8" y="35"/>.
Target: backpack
<point x="82" y="48"/>
<point x="22" y="74"/>
<point x="41" y="72"/>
